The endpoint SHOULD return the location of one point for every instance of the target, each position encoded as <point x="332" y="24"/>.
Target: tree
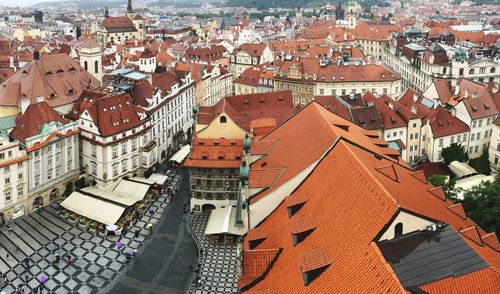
<point x="193" y="33"/>
<point x="481" y="164"/>
<point x="454" y="152"/>
<point x="437" y="180"/>
<point x="482" y="205"/>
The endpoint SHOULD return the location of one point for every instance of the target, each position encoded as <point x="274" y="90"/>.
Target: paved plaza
<point x="95" y="260"/>
<point x="218" y="272"/>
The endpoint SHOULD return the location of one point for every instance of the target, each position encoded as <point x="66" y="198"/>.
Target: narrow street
<point x="163" y="263"/>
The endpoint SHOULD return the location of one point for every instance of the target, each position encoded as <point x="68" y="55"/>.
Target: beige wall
<point x="221" y="130"/>
<point x="410" y="223"/>
<point x="8" y="111"/>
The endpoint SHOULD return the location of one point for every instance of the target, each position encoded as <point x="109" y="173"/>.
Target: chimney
<point x="415" y="97"/>
<point x="466" y="93"/>
<point x="36" y="55"/>
<point x="25" y="102"/>
<point x="454" y="112"/>
<point x="457" y="89"/>
<point x="414" y="108"/>
<point x="391" y="106"/>
<point x="436" y="102"/>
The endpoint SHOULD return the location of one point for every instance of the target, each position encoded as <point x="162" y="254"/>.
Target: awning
<point x="222" y="221"/>
<point x="113" y="196"/>
<point x="99" y="210"/>
<point x="180" y="155"/>
<point x="158" y="178"/>
<point x="461" y="169"/>
<point x="132" y="189"/>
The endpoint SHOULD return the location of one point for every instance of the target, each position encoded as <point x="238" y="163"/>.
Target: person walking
<point x="57" y="257"/>
<point x="136" y="233"/>
<point x="17" y="248"/>
<point x="128" y="255"/>
<point x="68" y="258"/>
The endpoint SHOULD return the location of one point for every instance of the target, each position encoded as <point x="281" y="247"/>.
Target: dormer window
<point x="301" y="228"/>
<point x="71" y="92"/>
<point x="116" y="123"/>
<point x="71" y="69"/>
<point x="59" y="71"/>
<point x="104" y="109"/>
<point x="313" y="264"/>
<point x="398" y="230"/>
<point x="49" y="73"/>
<point x="52" y="96"/>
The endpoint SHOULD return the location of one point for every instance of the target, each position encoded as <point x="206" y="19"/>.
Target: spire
<point x="129" y="6"/>
<point x="106" y="12"/>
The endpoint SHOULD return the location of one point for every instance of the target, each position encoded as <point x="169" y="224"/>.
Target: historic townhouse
<point x="119" y="29"/>
<point x="51" y="144"/>
<point x="440" y="129"/>
<point x="13" y="179"/>
<point x="494" y="150"/>
<point x="115" y="137"/>
<point x="477" y="109"/>
<point x="169" y="100"/>
<point x="249" y="55"/>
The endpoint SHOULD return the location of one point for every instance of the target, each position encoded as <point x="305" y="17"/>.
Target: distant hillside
<point x="266" y="4"/>
<point x="81" y="4"/>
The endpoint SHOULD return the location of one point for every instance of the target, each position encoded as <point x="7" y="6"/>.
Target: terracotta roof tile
<point x="458" y="209"/>
<point x="419" y="175"/>
<point x="314" y="259"/>
<point x="295" y="199"/>
<point x="438" y="192"/>
<point x="256" y="234"/>
<point x="302" y="224"/>
<point x="216" y="153"/>
<point x="255" y="264"/>
<point x="485" y="281"/>
<point x="388" y="171"/>
<point x="491" y="240"/>
<point x="263" y="178"/>
<point x="473" y="234"/>
<point x="444" y="124"/>
<point x="262" y="147"/>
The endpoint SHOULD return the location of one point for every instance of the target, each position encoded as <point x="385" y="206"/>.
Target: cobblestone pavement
<point x="164" y="265"/>
<point x="218" y="272"/>
<point x="96" y="261"/>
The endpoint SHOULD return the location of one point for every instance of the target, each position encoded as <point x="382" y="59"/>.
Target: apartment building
<point x="249" y="55"/>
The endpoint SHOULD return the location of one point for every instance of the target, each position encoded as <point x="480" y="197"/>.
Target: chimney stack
<point x="414" y="108"/>
<point x="457" y="89"/>
<point x="415" y="97"/>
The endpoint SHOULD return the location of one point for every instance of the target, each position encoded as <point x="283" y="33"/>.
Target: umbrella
<point x="119" y="245"/>
<point x="111" y="228"/>
<point x="3" y="292"/>
<point x="43" y="279"/>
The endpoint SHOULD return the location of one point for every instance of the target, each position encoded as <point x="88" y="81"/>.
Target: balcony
<point x="148" y="147"/>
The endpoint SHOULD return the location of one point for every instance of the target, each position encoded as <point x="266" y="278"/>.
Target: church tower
<point x="136" y="19"/>
<point x="130" y="13"/>
<point x="352" y="13"/>
<point x="91" y="58"/>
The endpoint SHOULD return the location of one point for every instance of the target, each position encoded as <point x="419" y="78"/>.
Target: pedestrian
<point x="17" y="248"/>
<point x="56" y="255"/>
<point x="151" y="211"/>
<point x="9" y="230"/>
<point x="136" y="233"/>
<point x="128" y="256"/>
<point x="8" y="255"/>
<point x="68" y="258"/>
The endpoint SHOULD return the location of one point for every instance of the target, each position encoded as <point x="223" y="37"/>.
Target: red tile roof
<point x="390" y="117"/>
<point x="243" y="109"/>
<point x="215" y="153"/>
<point x="118" y="24"/>
<point x="263" y="178"/>
<point x="444" y="124"/>
<point x="479" y="103"/>
<point x="458" y="209"/>
<point x="57" y="78"/>
<point x="479" y="282"/>
<point x="111" y="113"/>
<point x="491" y="240"/>
<point x="254" y="50"/>
<point x="314" y="259"/>
<point x="333" y="104"/>
<point x="31" y="122"/>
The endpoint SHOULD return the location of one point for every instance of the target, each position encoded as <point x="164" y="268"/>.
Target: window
<point x="134" y="144"/>
<point x="223" y="119"/>
<point x="471" y="149"/>
<point x="476" y="149"/>
<point x="7" y="168"/>
<point x="124" y="166"/>
<point x="69" y="164"/>
<point x="115" y="151"/>
<point x="7" y="181"/>
<point x="124" y="148"/>
<point x="474" y="124"/>
<point x="480" y="123"/>
<point x="2" y="156"/>
<point x="20" y="191"/>
<point x="458" y="138"/>
<point x="478" y="135"/>
<point x="94" y="168"/>
<point x="58" y="157"/>
<point x="452" y="139"/>
<point x="86" y="65"/>
<point x="441" y="141"/>
<point x="398" y="230"/>
<point x="472" y="137"/>
<point x="7" y="196"/>
<point x="471" y="71"/>
<point x="115" y="169"/>
<point x="94" y="151"/>
<point x="58" y="171"/>
<point x="96" y="66"/>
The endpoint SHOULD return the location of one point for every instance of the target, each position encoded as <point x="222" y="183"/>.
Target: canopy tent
<point x="96" y="209"/>
<point x="113" y="196"/>
<point x="469" y="182"/>
<point x="158" y="178"/>
<point x="132" y="189"/>
<point x="461" y="169"/>
<point x="222" y="221"/>
<point x="180" y="155"/>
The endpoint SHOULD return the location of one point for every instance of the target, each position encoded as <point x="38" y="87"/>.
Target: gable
<point x="411" y="223"/>
<point x="216" y="129"/>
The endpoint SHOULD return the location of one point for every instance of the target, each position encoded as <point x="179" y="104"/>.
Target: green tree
<point x="482" y="163"/>
<point x="482" y="205"/>
<point x="451" y="191"/>
<point x="193" y="33"/>
<point x="454" y="152"/>
<point x="437" y="180"/>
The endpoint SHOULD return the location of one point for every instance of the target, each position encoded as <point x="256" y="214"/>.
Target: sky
<point x="19" y="2"/>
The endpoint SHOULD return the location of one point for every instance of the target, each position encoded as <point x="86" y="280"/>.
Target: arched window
<point x="398" y="230"/>
<point x="223" y="120"/>
<point x="471" y="71"/>
<point x="96" y="66"/>
<point x="492" y="70"/>
<point x="86" y="65"/>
